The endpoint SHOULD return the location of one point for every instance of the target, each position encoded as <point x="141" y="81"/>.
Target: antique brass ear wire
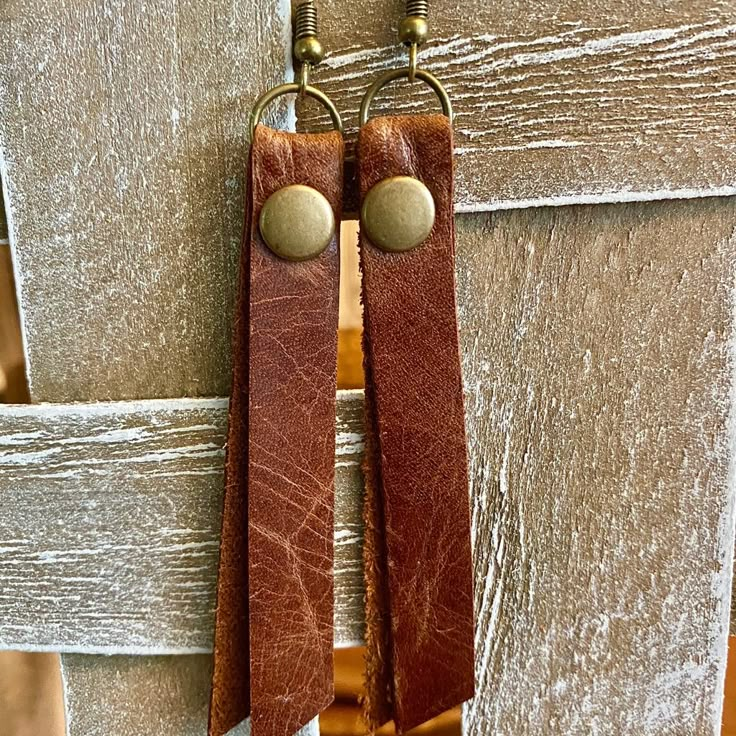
<point x="413" y="32"/>
<point x="308" y="52"/>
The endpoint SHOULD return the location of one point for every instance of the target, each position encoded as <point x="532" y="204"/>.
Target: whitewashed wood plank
<point x="122" y="150"/>
<point x="125" y="226"/>
<point x="598" y="347"/>
<point x="598" y="359"/>
<point x="110" y="518"/>
<point x="142" y="696"/>
<point x="558" y="102"/>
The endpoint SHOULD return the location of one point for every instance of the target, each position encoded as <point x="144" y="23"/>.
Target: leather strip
<point x="378" y="696"/>
<point x="420" y="618"/>
<point x="273" y="645"/>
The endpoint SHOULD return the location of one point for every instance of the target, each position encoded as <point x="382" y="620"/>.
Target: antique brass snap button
<point x="398" y="214"/>
<point x="297" y="222"/>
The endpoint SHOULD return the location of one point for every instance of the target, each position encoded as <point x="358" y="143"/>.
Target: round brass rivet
<point x="398" y="213"/>
<point x="297" y="222"/>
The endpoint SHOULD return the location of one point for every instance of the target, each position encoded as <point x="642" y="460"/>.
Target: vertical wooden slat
<point x="598" y="354"/>
<point x="131" y="209"/>
<point x="126" y="199"/>
<point x="142" y="696"/>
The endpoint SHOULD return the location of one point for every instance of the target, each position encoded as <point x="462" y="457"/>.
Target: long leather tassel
<point x="274" y="621"/>
<point x="419" y="603"/>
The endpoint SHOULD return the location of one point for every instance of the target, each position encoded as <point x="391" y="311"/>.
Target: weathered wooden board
<point x="597" y="346"/>
<point x="558" y="102"/>
<point x="142" y="696"/>
<point x="125" y="217"/>
<point x="598" y="357"/>
<point x="122" y="149"/>
<point x="110" y="519"/>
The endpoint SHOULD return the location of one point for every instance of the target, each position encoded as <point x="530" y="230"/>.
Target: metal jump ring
<point x="405" y="73"/>
<point x="284" y="89"/>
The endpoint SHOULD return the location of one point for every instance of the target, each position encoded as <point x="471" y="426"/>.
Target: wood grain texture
<point x="598" y="364"/>
<point x="142" y="696"/>
<point x="125" y="203"/>
<point x="558" y="102"/>
<point x="126" y="225"/>
<point x="110" y="519"/>
<point x="598" y="356"/>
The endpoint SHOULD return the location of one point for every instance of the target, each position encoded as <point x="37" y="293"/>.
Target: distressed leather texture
<point x="274" y="620"/>
<point x="420" y="618"/>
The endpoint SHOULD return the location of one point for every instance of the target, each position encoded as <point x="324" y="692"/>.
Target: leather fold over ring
<point x="417" y="556"/>
<point x="274" y="620"/>
<point x="404" y="73"/>
<point x="292" y="88"/>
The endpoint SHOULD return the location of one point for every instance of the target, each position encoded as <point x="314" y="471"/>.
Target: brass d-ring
<point x="284" y="89"/>
<point x="405" y="73"/>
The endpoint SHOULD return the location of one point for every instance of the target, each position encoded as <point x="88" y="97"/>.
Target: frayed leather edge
<point x="377" y="702"/>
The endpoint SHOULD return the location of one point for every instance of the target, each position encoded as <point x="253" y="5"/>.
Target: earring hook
<point x="309" y="52"/>
<point x="413" y="32"/>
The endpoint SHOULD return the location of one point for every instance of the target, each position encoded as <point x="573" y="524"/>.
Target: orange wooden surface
<point x="343" y="717"/>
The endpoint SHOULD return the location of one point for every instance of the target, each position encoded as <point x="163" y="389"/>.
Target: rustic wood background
<point x="111" y="520"/>
<point x="597" y="342"/>
<point x="597" y="346"/>
<point x="133" y="199"/>
<point x="593" y="472"/>
<point x="557" y="102"/>
<point x="138" y="209"/>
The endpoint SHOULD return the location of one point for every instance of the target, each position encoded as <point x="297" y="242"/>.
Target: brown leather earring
<point x="274" y="621"/>
<point x="417" y="554"/>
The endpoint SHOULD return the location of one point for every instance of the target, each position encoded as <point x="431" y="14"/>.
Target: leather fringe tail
<point x="377" y="701"/>
<point x="419" y="601"/>
<point x="273" y="647"/>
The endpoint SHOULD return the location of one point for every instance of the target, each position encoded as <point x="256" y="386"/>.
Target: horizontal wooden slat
<point x="557" y="103"/>
<point x="126" y="223"/>
<point x="109" y="520"/>
<point x="142" y="696"/>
